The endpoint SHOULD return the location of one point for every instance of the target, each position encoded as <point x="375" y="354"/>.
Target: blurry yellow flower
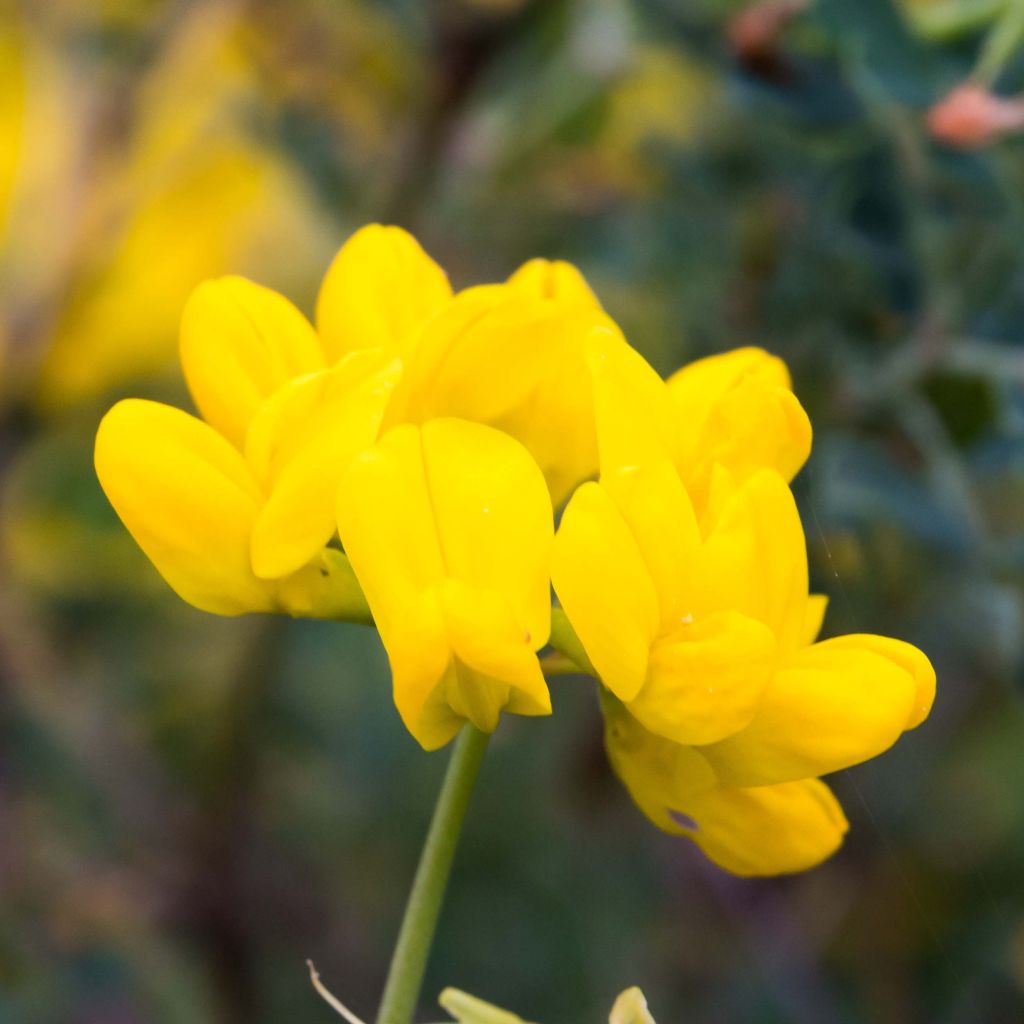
<point x="122" y="225"/>
<point x="362" y="71"/>
<point x="41" y="132"/>
<point x="120" y="322"/>
<point x="659" y="102"/>
<point x="698" y="620"/>
<point x="12" y="113"/>
<point x="527" y="340"/>
<point x="448" y="527"/>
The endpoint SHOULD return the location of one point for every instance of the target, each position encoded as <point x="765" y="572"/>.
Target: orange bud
<point x="753" y="32"/>
<point x="970" y="117"/>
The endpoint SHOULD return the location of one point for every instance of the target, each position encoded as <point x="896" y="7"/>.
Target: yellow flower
<point x="735" y="411"/>
<point x="698" y="620"/>
<point x="448" y="527"/>
<point x="12" y="112"/>
<point x="285" y="410"/>
<point x="528" y="340"/>
<point x="194" y="505"/>
<point x="764" y="830"/>
<point x="236" y="512"/>
<point x="657" y="107"/>
<point x="288" y="408"/>
<point x="553" y="279"/>
<point x="241" y="343"/>
<point x="380" y="288"/>
<point x="187" y="194"/>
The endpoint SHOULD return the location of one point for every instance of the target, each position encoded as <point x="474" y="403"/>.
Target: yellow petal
<point x="240" y="343"/>
<point x="910" y="658"/>
<point x="448" y="528"/>
<point x="737" y="409"/>
<point x="302" y="441"/>
<point x="387" y="528"/>
<point x="661" y="776"/>
<point x="557" y="425"/>
<point x="701" y="385"/>
<point x="530" y="352"/>
<point x="553" y="279"/>
<point x="698" y="386"/>
<point x="494" y="664"/>
<point x="705" y="680"/>
<point x="829" y="706"/>
<point x="462" y="656"/>
<point x="556" y="422"/>
<point x="632" y="407"/>
<point x="421" y="660"/>
<point x="423" y="391"/>
<point x="491" y="333"/>
<point x="187" y="497"/>
<point x="602" y="582"/>
<point x="814" y="617"/>
<point x="766" y="830"/>
<point x="493" y="517"/>
<point x="379" y="289"/>
<point x="755" y="558"/>
<point x="661" y="518"/>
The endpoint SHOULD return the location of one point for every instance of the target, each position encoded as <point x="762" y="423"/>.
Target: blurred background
<point x="190" y="806"/>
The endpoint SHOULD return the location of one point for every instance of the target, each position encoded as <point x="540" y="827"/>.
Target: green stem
<point x="564" y="640"/>
<point x="409" y="961"/>
<point x="559" y="665"/>
<point x="1001" y="44"/>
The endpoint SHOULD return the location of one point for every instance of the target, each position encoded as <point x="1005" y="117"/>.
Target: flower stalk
<point x="409" y="961"/>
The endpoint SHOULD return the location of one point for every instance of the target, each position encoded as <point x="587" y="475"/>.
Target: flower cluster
<point x="403" y="459"/>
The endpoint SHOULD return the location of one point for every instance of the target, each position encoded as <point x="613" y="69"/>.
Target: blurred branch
<point x="1001" y="44"/>
<point x="218" y="888"/>
<point x="464" y="48"/>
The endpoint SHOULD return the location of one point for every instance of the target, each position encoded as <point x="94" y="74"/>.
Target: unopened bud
<point x="970" y="117"/>
<point x="753" y="32"/>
